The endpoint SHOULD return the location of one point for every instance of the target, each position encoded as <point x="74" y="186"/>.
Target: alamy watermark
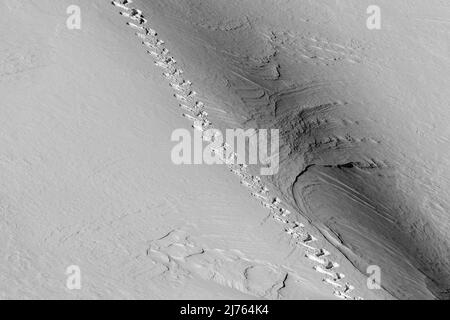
<point x="374" y="20"/>
<point x="73" y="281"/>
<point x="73" y="22"/>
<point x="374" y="280"/>
<point x="237" y="147"/>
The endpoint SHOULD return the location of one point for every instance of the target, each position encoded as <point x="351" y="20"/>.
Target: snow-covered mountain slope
<point x="86" y="177"/>
<point x="363" y="116"/>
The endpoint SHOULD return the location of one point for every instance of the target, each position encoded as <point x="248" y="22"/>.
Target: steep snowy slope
<point x="363" y="114"/>
<point x="86" y="176"/>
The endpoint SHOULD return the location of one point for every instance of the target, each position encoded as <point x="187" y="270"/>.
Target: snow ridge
<point x="195" y="111"/>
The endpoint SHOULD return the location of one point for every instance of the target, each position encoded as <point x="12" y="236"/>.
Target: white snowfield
<point x="86" y="177"/>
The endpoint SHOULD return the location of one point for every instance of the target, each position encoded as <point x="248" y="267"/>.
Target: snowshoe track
<point x="188" y="102"/>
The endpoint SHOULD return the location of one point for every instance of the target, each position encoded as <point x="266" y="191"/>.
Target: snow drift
<point x="363" y="116"/>
<point x="85" y="169"/>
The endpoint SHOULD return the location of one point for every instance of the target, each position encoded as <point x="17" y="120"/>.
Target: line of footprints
<point x="195" y="112"/>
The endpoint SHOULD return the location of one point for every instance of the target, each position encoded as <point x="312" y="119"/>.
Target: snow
<point x="363" y="114"/>
<point x="87" y="178"/>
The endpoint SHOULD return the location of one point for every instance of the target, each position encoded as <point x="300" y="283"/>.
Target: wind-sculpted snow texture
<point x="87" y="181"/>
<point x="185" y="250"/>
<point x="86" y="176"/>
<point x="363" y="117"/>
